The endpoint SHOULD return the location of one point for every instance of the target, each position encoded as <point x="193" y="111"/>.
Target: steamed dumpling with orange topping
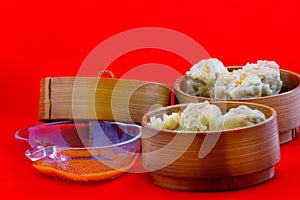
<point x="269" y="73"/>
<point x="238" y="84"/>
<point x="203" y="75"/>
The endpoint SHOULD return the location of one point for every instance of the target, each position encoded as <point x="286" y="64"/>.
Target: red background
<point x="40" y="39"/>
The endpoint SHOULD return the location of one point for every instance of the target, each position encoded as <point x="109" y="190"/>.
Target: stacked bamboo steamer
<point x="238" y="158"/>
<point x="286" y="103"/>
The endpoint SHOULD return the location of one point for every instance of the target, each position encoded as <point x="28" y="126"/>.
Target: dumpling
<point x="239" y="117"/>
<point x="195" y="117"/>
<point x="207" y="117"/>
<point x="205" y="73"/>
<point x="169" y="122"/>
<point x="197" y="88"/>
<point x="199" y="116"/>
<point x="269" y="73"/>
<point x="237" y="84"/>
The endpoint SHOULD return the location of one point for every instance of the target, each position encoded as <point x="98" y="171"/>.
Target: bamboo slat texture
<point x="94" y="98"/>
<point x="239" y="158"/>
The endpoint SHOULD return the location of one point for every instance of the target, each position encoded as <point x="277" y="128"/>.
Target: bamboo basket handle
<point x="105" y="72"/>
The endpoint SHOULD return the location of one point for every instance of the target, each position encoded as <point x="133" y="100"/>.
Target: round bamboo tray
<point x="286" y="103"/>
<point x="211" y="161"/>
<point x="99" y="98"/>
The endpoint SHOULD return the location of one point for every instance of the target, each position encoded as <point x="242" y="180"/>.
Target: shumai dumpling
<point x="239" y="117"/>
<point x="169" y="122"/>
<point x="237" y="84"/>
<point x="199" y="116"/>
<point x="203" y="75"/>
<point x="269" y="73"/>
<point x="197" y="88"/>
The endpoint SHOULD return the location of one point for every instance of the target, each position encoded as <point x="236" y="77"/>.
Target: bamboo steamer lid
<point x="99" y="98"/>
<point x="241" y="157"/>
<point x="286" y="103"/>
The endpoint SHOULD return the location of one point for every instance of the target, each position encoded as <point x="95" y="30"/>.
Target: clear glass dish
<point x="82" y="151"/>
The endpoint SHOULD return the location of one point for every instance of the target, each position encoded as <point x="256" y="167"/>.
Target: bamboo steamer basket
<point x="99" y="98"/>
<point x="286" y="103"/>
<point x="240" y="158"/>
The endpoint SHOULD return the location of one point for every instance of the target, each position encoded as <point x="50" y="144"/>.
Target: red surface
<point x="40" y="39"/>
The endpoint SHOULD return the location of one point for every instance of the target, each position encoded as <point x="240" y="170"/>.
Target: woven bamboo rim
<point x="98" y="98"/>
<point x="241" y="157"/>
<point x="286" y="103"/>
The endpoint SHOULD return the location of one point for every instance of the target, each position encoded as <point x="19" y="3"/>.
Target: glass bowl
<point x="82" y="151"/>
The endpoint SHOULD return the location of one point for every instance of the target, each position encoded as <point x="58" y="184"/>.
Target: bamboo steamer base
<point x="240" y="158"/>
<point x="288" y="136"/>
<point x="222" y="184"/>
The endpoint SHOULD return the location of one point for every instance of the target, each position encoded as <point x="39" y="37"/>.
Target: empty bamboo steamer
<point x="99" y="98"/>
<point x="235" y="159"/>
<point x="286" y="103"/>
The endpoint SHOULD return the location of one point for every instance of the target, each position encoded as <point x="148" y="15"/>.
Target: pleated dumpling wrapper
<point x="239" y="117"/>
<point x="269" y="73"/>
<point x="168" y="122"/>
<point x="199" y="116"/>
<point x="207" y="117"/>
<point x="203" y="75"/>
<point x="195" y="117"/>
<point x="238" y="84"/>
